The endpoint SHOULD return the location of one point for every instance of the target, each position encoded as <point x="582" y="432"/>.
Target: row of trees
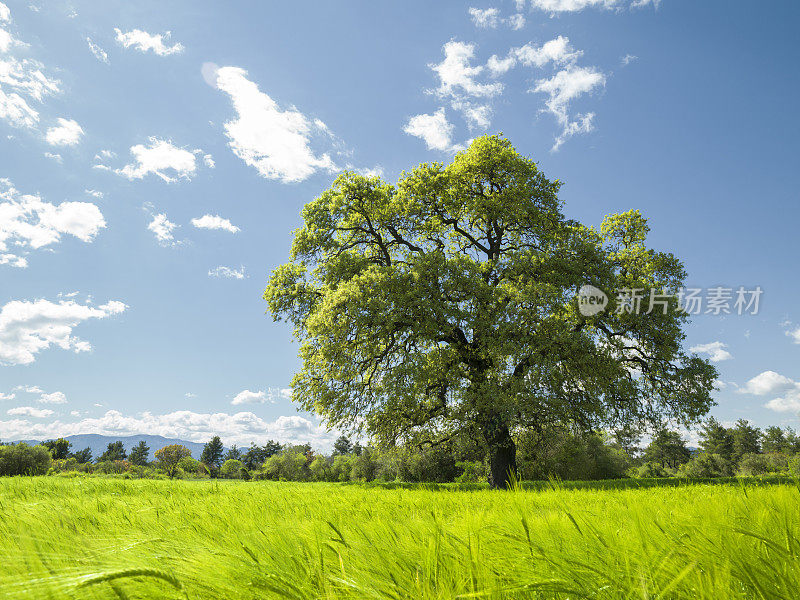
<point x="553" y="451"/>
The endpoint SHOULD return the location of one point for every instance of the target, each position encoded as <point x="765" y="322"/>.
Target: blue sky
<point x="152" y="180"/>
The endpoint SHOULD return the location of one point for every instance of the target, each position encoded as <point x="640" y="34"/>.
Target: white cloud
<point x="94" y="193"/>
<point x="53" y="398"/>
<point x="29" y="327"/>
<point x="562" y="6"/>
<point x="477" y="116"/>
<point x="559" y="51"/>
<point x="97" y="51"/>
<point x="208" y="160"/>
<point x="228" y="272"/>
<point x="716" y="351"/>
<point x="214" y="222"/>
<point x="30" y="411"/>
<point x="434" y="130"/>
<point x="275" y="142"/>
<point x="485" y="18"/>
<point x="56" y="157"/>
<point x="7" y="396"/>
<point x="248" y="397"/>
<point x="239" y="428"/>
<point x="794" y="334"/>
<point x="28" y="222"/>
<point x="516" y="22"/>
<point x="5" y="13"/>
<point x="162" y="227"/>
<point x="768" y="383"/>
<point x="160" y="158"/>
<point x="564" y="87"/>
<point x="628" y="59"/>
<point x="67" y="133"/>
<point x="457" y="75"/>
<point x="143" y="41"/>
<point x="22" y="81"/>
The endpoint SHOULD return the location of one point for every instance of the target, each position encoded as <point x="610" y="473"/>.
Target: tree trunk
<point x="502" y="454"/>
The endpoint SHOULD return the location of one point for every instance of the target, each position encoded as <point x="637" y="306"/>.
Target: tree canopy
<point x="446" y="304"/>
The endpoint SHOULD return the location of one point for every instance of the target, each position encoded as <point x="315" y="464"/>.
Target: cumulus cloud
<point x="28" y="327"/>
<point x="260" y="397"/>
<point x="794" y="334"/>
<point x="28" y="223"/>
<point x="143" y="41"/>
<point x="434" y="129"/>
<point x="230" y="273"/>
<point x="277" y="143"/>
<point x="7" y="396"/>
<point x="239" y="428"/>
<point x="770" y="383"/>
<point x="563" y="88"/>
<point x="97" y="51"/>
<point x="716" y="351"/>
<point x="457" y="77"/>
<point x="66" y="133"/>
<point x="30" y="411"/>
<point x="53" y="398"/>
<point x="485" y="18"/>
<point x="214" y="222"/>
<point x="163" y="228"/>
<point x="161" y="158"/>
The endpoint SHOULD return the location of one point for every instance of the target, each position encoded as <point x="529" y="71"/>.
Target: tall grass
<point x="100" y="538"/>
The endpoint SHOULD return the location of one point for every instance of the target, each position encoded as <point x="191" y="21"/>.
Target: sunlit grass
<point x="91" y="537"/>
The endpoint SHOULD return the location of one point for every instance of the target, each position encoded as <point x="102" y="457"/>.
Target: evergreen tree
<point x="140" y="453"/>
<point x="114" y="451"/>
<point x="212" y="453"/>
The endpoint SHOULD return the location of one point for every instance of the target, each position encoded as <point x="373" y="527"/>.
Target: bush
<point x="22" y="459"/>
<point x="472" y="471"/>
<point x="763" y="464"/>
<point x="651" y="469"/>
<point x="706" y="465"/>
<point x="231" y="469"/>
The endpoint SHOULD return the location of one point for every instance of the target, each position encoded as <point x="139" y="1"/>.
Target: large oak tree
<point x="446" y="305"/>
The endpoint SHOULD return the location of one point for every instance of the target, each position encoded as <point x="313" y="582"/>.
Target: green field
<point x="94" y="537"/>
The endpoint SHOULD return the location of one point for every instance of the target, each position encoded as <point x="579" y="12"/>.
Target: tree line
<point x="562" y="452"/>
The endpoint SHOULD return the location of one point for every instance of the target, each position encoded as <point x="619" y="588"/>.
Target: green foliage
<point x="139" y="454"/>
<point x="109" y="538"/>
<point x="668" y="449"/>
<point x="83" y="456"/>
<point x="212" y="453"/>
<point x="570" y="455"/>
<point x="435" y="307"/>
<point x="115" y="451"/>
<point x="170" y="457"/>
<point x="22" y="459"/>
<point x="59" y="449"/>
<point x="706" y="464"/>
<point x="231" y="469"/>
<point x="763" y="464"/>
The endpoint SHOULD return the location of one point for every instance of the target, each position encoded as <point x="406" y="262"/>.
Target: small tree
<point x="83" y="456"/>
<point x="746" y="439"/>
<point x="22" y="459"/>
<point x="233" y="453"/>
<point x="139" y="454"/>
<point x="231" y="469"/>
<point x="114" y="451"/>
<point x="212" y="453"/>
<point x="170" y="456"/>
<point x="667" y="449"/>
<point x="717" y="439"/>
<point x="342" y="446"/>
<point x="59" y="449"/>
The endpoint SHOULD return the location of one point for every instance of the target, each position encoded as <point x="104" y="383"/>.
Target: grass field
<point x="93" y="537"/>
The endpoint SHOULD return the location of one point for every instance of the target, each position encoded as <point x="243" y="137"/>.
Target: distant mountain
<point x="99" y="443"/>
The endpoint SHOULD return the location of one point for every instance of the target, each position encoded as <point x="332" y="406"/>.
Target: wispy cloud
<point x="144" y="42"/>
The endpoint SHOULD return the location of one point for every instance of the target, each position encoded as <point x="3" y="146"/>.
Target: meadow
<point x="92" y="537"/>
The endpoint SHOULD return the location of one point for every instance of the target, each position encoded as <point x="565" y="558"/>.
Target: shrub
<point x="706" y="465"/>
<point x="651" y="469"/>
<point x="763" y="464"/>
<point x="22" y="459"/>
<point x="231" y="469"/>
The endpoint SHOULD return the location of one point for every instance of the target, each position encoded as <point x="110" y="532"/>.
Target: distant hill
<point x="99" y="443"/>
